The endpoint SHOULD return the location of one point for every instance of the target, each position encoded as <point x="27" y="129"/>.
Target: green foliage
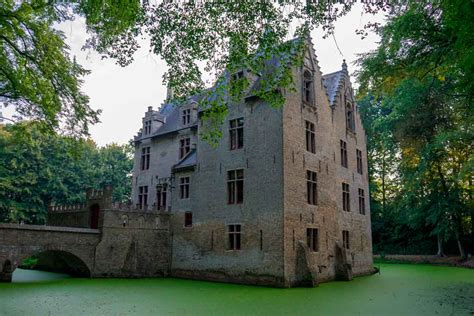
<point x="216" y="38"/>
<point x="416" y="99"/>
<point x="37" y="77"/>
<point x="38" y="167"/>
<point x="29" y="263"/>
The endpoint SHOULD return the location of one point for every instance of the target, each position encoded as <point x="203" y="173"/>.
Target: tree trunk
<point x="472" y="208"/>
<point x="461" y="248"/>
<point x="440" y="247"/>
<point x="383" y="182"/>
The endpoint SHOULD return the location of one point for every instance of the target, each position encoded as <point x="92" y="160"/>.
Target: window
<point x="310" y="138"/>
<point x="145" y="159"/>
<point x="312" y="239"/>
<point x="186" y="116"/>
<point x="350" y="123"/>
<point x="345" y="239"/>
<point x="236" y="133"/>
<point x="237" y="76"/>
<point x="234" y="237"/>
<point x="312" y="187"/>
<point x="184" y="188"/>
<point x="161" y="191"/>
<point x="344" y="154"/>
<point x="147" y="128"/>
<point x="235" y="186"/>
<point x="361" y="201"/>
<point x="359" y="161"/>
<point x="143" y="197"/>
<point x="346" y="204"/>
<point x="308" y="87"/>
<point x="188" y="219"/>
<point x="184" y="147"/>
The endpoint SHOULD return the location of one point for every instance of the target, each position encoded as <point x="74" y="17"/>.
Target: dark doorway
<point x="6" y="271"/>
<point x="7" y="267"/>
<point x="94" y="216"/>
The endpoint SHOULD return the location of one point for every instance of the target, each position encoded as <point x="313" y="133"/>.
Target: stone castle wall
<point x="202" y="251"/>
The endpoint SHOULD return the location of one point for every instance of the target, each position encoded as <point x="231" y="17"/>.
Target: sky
<point x="124" y="93"/>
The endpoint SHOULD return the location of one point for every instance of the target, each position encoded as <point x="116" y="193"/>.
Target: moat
<point x="400" y="289"/>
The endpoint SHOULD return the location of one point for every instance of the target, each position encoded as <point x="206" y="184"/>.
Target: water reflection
<point x="28" y="276"/>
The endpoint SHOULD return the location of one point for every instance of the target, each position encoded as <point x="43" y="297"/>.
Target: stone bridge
<point x="68" y="249"/>
<point x="96" y="239"/>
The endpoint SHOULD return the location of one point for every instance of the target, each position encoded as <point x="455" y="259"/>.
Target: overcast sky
<point x="124" y="93"/>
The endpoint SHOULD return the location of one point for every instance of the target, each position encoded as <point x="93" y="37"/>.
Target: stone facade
<point x="274" y="216"/>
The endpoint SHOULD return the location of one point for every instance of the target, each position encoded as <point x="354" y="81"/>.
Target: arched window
<point x="308" y="96"/>
<point x="350" y="123"/>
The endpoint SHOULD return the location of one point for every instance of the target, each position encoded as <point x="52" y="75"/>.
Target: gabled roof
<point x="172" y="122"/>
<point x="270" y="66"/>
<point x="332" y="82"/>
<point x="187" y="162"/>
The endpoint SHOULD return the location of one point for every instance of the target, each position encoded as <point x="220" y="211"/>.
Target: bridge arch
<point x="48" y="260"/>
<point x="60" y="261"/>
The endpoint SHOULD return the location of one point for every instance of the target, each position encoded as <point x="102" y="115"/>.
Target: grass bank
<point x="451" y="261"/>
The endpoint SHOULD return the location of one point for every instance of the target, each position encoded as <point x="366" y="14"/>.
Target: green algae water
<point x="400" y="289"/>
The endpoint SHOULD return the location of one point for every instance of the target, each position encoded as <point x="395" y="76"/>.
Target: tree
<point x="42" y="82"/>
<point x="38" y="168"/>
<point x="37" y="76"/>
<point x="218" y="38"/>
<point x="422" y="74"/>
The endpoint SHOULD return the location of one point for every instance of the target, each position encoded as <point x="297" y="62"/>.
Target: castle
<point x="282" y="200"/>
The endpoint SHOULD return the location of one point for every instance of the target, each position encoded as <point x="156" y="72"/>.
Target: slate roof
<point x="332" y="82"/>
<point x="188" y="161"/>
<point x="270" y="65"/>
<point x="173" y="117"/>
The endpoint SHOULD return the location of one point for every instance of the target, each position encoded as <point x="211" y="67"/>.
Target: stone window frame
<point x="359" y="161"/>
<point x="236" y="133"/>
<point x="346" y="197"/>
<point x="184" y="187"/>
<point x="188" y="219"/>
<point x="311" y="187"/>
<point x="343" y="147"/>
<point x="308" y="87"/>
<point x="186" y="117"/>
<point x="350" y="116"/>
<point x="143" y="196"/>
<point x="184" y="147"/>
<point x="147" y="127"/>
<point x="145" y="158"/>
<point x="234" y="237"/>
<point x="235" y="186"/>
<point x="310" y="137"/>
<point x="361" y="201"/>
<point x="346" y="239"/>
<point x="312" y="238"/>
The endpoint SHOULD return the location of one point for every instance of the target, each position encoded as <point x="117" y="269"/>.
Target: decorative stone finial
<point x="344" y="65"/>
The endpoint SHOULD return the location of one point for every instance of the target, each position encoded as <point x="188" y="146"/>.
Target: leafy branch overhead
<point x="216" y="38"/>
<point x="41" y="81"/>
<point x="37" y="76"/>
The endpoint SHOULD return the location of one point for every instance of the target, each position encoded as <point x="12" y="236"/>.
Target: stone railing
<point x="66" y="208"/>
